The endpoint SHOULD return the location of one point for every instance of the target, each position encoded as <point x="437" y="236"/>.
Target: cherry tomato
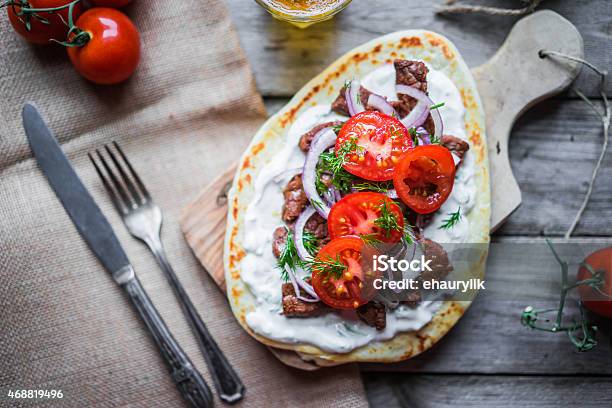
<point x="113" y="50"/>
<point x="109" y="3"/>
<point x="41" y="33"/>
<point x="424" y="178"/>
<point x="380" y="141"/>
<point x="348" y="286"/>
<point x="594" y="300"/>
<point x="367" y="213"/>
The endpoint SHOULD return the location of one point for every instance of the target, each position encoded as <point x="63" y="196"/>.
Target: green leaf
<point x="452" y="220"/>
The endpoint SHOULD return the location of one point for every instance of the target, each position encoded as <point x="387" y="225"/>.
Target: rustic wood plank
<point x="553" y="149"/>
<point x="392" y="390"/>
<point x="285" y="57"/>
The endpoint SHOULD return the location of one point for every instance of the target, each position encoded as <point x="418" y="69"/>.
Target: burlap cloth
<point x="187" y="113"/>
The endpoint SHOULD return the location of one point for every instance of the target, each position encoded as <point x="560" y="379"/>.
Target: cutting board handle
<point x="515" y="79"/>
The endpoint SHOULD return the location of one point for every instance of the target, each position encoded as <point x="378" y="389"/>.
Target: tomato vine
<point x="25" y="13"/>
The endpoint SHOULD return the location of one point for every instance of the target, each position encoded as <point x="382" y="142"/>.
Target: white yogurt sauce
<point x="334" y="332"/>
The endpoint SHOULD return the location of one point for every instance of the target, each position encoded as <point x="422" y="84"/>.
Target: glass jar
<point x="303" y="13"/>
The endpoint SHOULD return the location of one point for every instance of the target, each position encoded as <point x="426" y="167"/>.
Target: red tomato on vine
<point x="39" y="27"/>
<point x="110" y="3"/>
<point x="104" y="46"/>
<point x="597" y="300"/>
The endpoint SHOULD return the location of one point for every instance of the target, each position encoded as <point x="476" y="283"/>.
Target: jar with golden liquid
<point x="303" y="13"/>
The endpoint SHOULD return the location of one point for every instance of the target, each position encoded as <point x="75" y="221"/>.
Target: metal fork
<point x="144" y="219"/>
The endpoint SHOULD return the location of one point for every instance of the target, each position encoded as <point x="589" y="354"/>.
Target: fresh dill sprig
<point x="452" y="220"/>
<point x="435" y="139"/>
<point x="316" y="204"/>
<point x="319" y="184"/>
<point x="387" y="220"/>
<point x="407" y="236"/>
<point x="370" y="239"/>
<point x="348" y="148"/>
<point x="330" y="266"/>
<point x="413" y="135"/>
<point x="380" y="187"/>
<point x="336" y="128"/>
<point x="289" y="256"/>
<point x="332" y="163"/>
<point x="341" y="179"/>
<point x="311" y="243"/>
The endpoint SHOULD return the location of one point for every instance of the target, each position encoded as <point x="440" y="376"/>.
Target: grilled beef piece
<point x="440" y="268"/>
<point x="412" y="299"/>
<point x="414" y="74"/>
<point x="411" y="73"/>
<point x="400" y="107"/>
<point x="373" y="314"/>
<point x="294" y="307"/>
<point x="456" y="146"/>
<point x="340" y="105"/>
<point x="279" y="240"/>
<point x="440" y="265"/>
<point x="317" y="226"/>
<point x="307" y="137"/>
<point x="295" y="199"/>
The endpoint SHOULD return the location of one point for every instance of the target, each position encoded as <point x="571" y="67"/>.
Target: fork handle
<point x="187" y="379"/>
<point x="227" y="382"/>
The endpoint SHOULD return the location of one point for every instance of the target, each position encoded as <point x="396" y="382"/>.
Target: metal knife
<point x="97" y="232"/>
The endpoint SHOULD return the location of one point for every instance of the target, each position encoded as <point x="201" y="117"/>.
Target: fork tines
<point x="124" y="186"/>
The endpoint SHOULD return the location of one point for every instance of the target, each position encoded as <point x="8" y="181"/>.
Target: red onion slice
<point x="299" y="233"/>
<point x="419" y="114"/>
<point x="353" y="98"/>
<point x="423" y="136"/>
<point x="330" y="197"/>
<point x="337" y="194"/>
<point x="299" y="283"/>
<point x="307" y="287"/>
<point x="380" y="103"/>
<point x="321" y="142"/>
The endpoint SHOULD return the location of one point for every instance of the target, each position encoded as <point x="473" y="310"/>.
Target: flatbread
<point x="440" y="54"/>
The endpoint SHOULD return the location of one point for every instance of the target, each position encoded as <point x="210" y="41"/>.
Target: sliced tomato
<point x="357" y="214"/>
<point x="349" y="286"/>
<point x="598" y="300"/>
<point x="424" y="178"/>
<point x="377" y="141"/>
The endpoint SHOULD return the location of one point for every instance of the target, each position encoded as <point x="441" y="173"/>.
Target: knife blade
<point x="79" y="204"/>
<point x="95" y="229"/>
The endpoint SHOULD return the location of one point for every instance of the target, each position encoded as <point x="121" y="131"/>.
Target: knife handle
<point x="187" y="379"/>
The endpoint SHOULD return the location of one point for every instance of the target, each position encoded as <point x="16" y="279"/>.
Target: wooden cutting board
<point x="512" y="81"/>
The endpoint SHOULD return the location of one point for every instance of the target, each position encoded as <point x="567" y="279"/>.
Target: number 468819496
<point x="35" y="394"/>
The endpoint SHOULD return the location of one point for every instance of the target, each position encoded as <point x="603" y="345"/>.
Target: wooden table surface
<point x="488" y="359"/>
